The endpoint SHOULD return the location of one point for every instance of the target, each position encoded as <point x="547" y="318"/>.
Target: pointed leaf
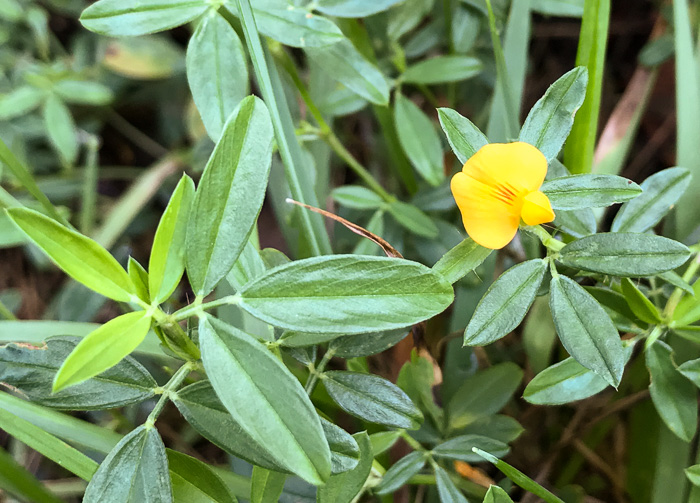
<point x="447" y="490"/>
<point x="195" y="482"/>
<point x="640" y="305"/>
<point x="589" y="191"/>
<point x="400" y="472"/>
<point x="343" y="487"/>
<point x="461" y="260"/>
<point x="442" y="69"/>
<point x="464" y="137"/>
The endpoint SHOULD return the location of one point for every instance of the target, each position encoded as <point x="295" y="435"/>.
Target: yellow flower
<point x="497" y="187"/>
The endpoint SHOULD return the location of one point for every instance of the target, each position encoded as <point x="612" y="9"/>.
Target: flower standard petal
<point x="518" y="165"/>
<point x="490" y="217"/>
<point x="536" y="209"/>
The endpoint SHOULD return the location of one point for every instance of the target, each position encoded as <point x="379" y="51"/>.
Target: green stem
<point x="677" y="294"/>
<point x="415" y="444"/>
<point x="657" y="332"/>
<point x="89" y="202"/>
<point x="315" y="372"/>
<point x="326" y="132"/>
<point x="290" y="152"/>
<point x="168" y="389"/>
<point x="502" y="76"/>
<point x="547" y="239"/>
<point x="197" y="309"/>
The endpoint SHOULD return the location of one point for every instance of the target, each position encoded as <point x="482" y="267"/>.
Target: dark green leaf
<point x="691" y="370"/>
<point x="585" y="329"/>
<point x="442" y="69"/>
<point x="642" y="307"/>
<point x="343" y="487"/>
<point x="505" y="303"/>
<point x="345" y="453"/>
<point x="268" y="402"/>
<point x="201" y="407"/>
<point x="661" y="191"/>
<point x="195" y="482"/>
<point x="413" y="219"/>
<point x="419" y="140"/>
<point x="357" y="197"/>
<point x="353" y="346"/>
<point x="401" y="471"/>
<point x="217" y="71"/>
<point x="483" y="394"/>
<point x="266" y="486"/>
<point x="138" y="17"/>
<point x="347" y="294"/>
<point x="674" y="396"/>
<point x="464" y="137"/>
<point x="447" y="490"/>
<point x="624" y="254"/>
<point x="354" y="8"/>
<point x="230" y="195"/>
<point x="461" y="260"/>
<point x="30" y="370"/>
<point x="383" y="440"/>
<point x="136" y="471"/>
<point x="372" y="398"/>
<point x="549" y="122"/>
<point x="460" y="448"/>
<point x="249" y="266"/>
<point x="589" y="191"/>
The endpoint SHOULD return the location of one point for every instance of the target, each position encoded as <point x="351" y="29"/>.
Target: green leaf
<point x="442" y="69"/>
<point x="498" y="427"/>
<point x="413" y="219"/>
<point x="661" y="192"/>
<point x="505" y="303"/>
<point x="167" y="261"/>
<point x="48" y="445"/>
<point x="460" y="448"/>
<point x="382" y="441"/>
<point x="578" y="153"/>
<point x="343" y="487"/>
<point x="102" y="349"/>
<point x="642" y="307"/>
<point x="496" y="494"/>
<point x="139" y="17"/>
<point x="565" y="382"/>
<point x="589" y="191"/>
<point x="406" y="16"/>
<point x="693" y="474"/>
<point x="549" y="122"/>
<point x="135" y="471"/>
<point x="230" y="195"/>
<point x="464" y="137"/>
<point x="676" y="280"/>
<point x="266" y="486"/>
<point x="268" y="402"/>
<point x="354" y="8"/>
<point x="30" y="370"/>
<point x="61" y="129"/>
<point x="345" y="453"/>
<point x="624" y="254"/>
<point x="347" y="294"/>
<point x="674" y="396"/>
<point x="585" y="329"/>
<point x="419" y="140"/>
<point x="483" y="394"/>
<point x="357" y="197"/>
<point x="249" y="266"/>
<point x="217" y="71"/>
<point x="691" y="370"/>
<point x="15" y="479"/>
<point x="80" y="257"/>
<point x="576" y="223"/>
<point x="139" y="277"/>
<point x="194" y="481"/>
<point x="461" y="260"/>
<point x="354" y="346"/>
<point x="519" y="477"/>
<point x="400" y="472"/>
<point x="372" y="398"/>
<point x="447" y="490"/>
<point x="297" y="27"/>
<point x="20" y="102"/>
<point x="688" y="309"/>
<point x="201" y="408"/>
<point x="83" y="92"/>
<point x="343" y="63"/>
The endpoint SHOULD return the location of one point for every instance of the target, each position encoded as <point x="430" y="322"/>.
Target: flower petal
<point x="489" y="219"/>
<point x="537" y="209"/>
<point x="518" y="166"/>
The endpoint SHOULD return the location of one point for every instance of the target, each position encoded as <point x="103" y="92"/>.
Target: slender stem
<point x="89" y="200"/>
<point x="677" y="294"/>
<point x="657" y="332"/>
<point x="547" y="239"/>
<point x="317" y="371"/>
<point x="415" y="444"/>
<point x="136" y="136"/>
<point x="169" y="388"/>
<point x="198" y="308"/>
<point x="325" y="131"/>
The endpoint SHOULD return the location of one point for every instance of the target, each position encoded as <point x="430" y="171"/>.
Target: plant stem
<point x="415" y="444"/>
<point x="89" y="200"/>
<point x="317" y="371"/>
<point x="547" y="239"/>
<point x="657" y="332"/>
<point x="199" y="308"/>
<point x="325" y="131"/>
<point x="169" y="388"/>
